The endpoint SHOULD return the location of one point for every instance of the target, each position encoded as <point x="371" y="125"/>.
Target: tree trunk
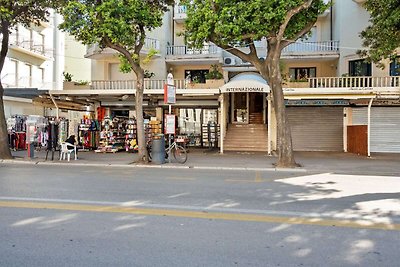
<point x="284" y="145"/>
<point x="141" y="139"/>
<point x="5" y="152"/>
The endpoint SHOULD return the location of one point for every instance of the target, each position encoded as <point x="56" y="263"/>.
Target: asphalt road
<point x="85" y="216"/>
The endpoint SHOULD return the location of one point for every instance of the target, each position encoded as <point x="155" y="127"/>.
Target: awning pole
<point x="369" y="127"/>
<point x="269" y="123"/>
<point x="55" y="104"/>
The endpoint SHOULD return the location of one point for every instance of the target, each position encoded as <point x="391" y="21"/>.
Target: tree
<point x="12" y="14"/>
<point x="382" y="36"/>
<point x="122" y="26"/>
<point x="228" y="23"/>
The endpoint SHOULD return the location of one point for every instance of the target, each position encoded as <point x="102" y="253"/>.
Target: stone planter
<point x="304" y="84"/>
<point x="213" y="84"/>
<point x="75" y="86"/>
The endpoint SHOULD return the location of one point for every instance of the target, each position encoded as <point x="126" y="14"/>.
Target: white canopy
<point x="246" y="82"/>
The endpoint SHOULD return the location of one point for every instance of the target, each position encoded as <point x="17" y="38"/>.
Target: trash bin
<point x="158" y="149"/>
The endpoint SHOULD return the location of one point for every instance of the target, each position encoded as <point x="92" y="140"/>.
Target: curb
<point x="26" y="162"/>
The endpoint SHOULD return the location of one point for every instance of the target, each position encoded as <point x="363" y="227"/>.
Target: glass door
<point x="240" y="108"/>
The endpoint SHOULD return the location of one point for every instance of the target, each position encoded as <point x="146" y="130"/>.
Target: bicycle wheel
<point x="180" y="154"/>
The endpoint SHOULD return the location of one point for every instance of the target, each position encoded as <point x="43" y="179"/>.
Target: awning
<point x="248" y="82"/>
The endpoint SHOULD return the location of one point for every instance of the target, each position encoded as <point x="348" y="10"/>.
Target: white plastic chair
<point x="67" y="152"/>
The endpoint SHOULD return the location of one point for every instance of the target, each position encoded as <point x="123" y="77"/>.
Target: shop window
<point x="359" y="68"/>
<point x="302" y="74"/>
<point x="196" y="76"/>
<point x="395" y="67"/>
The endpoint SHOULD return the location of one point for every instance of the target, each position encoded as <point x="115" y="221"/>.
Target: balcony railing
<point x="306" y="47"/>
<point x="179" y="9"/>
<point x="30" y="45"/>
<point x="320" y="82"/>
<point x="185" y="50"/>
<point x="131" y="84"/>
<point x="345" y="82"/>
<point x="151" y="43"/>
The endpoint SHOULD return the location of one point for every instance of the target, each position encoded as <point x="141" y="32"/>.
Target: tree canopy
<point x="382" y="37"/>
<point x="228" y="22"/>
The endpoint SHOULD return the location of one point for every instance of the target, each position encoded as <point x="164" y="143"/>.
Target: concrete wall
<point x="75" y="62"/>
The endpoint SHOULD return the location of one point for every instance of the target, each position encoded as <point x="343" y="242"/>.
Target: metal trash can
<point x="158" y="149"/>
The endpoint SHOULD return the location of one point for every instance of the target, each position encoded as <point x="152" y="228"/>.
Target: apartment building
<point x="335" y="101"/>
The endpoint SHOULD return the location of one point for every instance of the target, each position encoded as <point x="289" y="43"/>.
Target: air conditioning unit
<point x="229" y="61"/>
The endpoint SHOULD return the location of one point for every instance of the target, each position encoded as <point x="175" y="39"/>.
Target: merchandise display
<point x="89" y="133"/>
<point x="117" y="134"/>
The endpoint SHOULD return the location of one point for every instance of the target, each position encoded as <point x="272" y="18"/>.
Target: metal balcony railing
<point x="306" y="47"/>
<point x="179" y="50"/>
<point x="30" y="45"/>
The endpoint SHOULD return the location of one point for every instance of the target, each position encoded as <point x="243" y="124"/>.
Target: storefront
<point x="384" y="126"/>
<point x="316" y="128"/>
<point x="245" y="103"/>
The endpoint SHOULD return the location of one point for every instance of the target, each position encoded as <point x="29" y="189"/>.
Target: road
<point x="108" y="216"/>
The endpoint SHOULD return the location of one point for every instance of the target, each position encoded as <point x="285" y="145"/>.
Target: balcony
<point x="323" y="49"/>
<point x="95" y="52"/>
<point x="30" y="47"/>
<point x="345" y="88"/>
<point x="208" y="54"/>
<point x="180" y="14"/>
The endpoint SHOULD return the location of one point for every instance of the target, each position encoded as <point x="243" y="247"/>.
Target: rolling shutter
<point x="385" y="127"/>
<point x="316" y="128"/>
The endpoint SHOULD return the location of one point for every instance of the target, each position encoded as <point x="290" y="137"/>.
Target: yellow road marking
<point x="201" y="215"/>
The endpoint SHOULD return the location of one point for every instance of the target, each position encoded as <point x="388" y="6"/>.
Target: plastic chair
<point x="65" y="151"/>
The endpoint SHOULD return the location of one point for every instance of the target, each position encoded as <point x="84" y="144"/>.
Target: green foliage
<point x="214" y="73"/>
<point x="113" y="22"/>
<point x="67" y="76"/>
<point x="382" y="37"/>
<point x="230" y="22"/>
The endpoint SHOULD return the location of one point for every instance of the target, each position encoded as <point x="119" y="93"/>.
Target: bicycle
<point x="179" y="153"/>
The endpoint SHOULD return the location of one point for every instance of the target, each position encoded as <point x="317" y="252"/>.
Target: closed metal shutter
<point x="316" y="128"/>
<point x="385" y="127"/>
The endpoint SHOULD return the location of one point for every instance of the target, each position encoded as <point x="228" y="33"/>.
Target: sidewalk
<point x="378" y="164"/>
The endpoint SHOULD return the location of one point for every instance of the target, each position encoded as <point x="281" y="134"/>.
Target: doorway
<point x="248" y="108"/>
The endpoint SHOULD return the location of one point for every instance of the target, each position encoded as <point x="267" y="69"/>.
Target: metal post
<point x="169" y="136"/>
<point x="269" y="123"/>
<point x="222" y="123"/>
<point x="369" y="127"/>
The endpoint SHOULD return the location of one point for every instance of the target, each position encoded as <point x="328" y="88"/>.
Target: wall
<point x="324" y="69"/>
<point x="75" y="62"/>
<point x="21" y="108"/>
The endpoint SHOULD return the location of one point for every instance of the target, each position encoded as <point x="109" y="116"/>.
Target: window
<point x="302" y="74"/>
<point x="395" y="67"/>
<point x="359" y="68"/>
<point x="197" y="76"/>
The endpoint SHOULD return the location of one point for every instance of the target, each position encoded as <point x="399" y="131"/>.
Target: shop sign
<point x="329" y="102"/>
<point x="169" y="94"/>
<point x="245" y="90"/>
<point x="169" y="124"/>
<point x="377" y="102"/>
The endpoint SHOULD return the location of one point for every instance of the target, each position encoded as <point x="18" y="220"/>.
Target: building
<point x="335" y="101"/>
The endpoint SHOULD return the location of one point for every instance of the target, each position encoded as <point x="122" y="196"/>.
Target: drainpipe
<point x="369" y="128"/>
<point x="55" y="104"/>
<point x="269" y="123"/>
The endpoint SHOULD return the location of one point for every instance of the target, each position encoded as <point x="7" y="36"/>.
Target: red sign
<point x="169" y="94"/>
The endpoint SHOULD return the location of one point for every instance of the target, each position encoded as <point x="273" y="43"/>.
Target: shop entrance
<point x="248" y="108"/>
